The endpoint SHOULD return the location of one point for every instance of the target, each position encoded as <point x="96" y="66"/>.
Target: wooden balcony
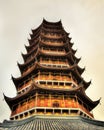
<point x="50" y="77"/>
<point x="48" y="102"/>
<point x="54" y="52"/>
<point x="46" y="77"/>
<point x="53" y="62"/>
<point x="53" y="43"/>
<point x="25" y="85"/>
<point x="28" y="69"/>
<point x="48" y="35"/>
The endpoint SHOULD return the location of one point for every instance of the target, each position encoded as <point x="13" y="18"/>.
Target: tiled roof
<point x="53" y="123"/>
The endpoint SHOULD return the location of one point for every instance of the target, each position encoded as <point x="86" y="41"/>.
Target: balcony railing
<point x="54" y="78"/>
<point x="54" y="52"/>
<point x="47" y="77"/>
<point x="48" y="103"/>
<point x="51" y="36"/>
<point x="53" y="43"/>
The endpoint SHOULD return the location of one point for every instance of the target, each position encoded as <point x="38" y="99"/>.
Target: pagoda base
<point x="51" y="111"/>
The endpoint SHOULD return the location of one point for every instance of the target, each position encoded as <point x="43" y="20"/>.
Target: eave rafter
<point x="37" y="66"/>
<point x="30" y="47"/>
<point x="56" y="24"/>
<point x="82" y="82"/>
<point x="33" y="88"/>
<point x="25" y="56"/>
<point x="41" y="53"/>
<point x="35" y="31"/>
<point x="36" y="87"/>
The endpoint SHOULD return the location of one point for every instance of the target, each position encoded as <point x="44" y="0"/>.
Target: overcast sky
<point x="83" y="19"/>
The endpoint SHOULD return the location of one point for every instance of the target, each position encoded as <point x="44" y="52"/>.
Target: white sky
<point x="83" y="19"/>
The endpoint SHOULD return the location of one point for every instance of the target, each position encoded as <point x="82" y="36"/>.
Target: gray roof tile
<point x="53" y="123"/>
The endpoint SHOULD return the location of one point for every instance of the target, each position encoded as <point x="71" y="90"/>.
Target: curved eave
<point x="73" y="68"/>
<point x="74" y="51"/>
<point x="58" y="23"/>
<point x="73" y="58"/>
<point x="30" y="41"/>
<point x="96" y="103"/>
<point x="53" y="27"/>
<point x="37" y="65"/>
<point x="47" y="31"/>
<point x="53" y="31"/>
<point x="39" y="52"/>
<point x="70" y="44"/>
<point x="80" y="70"/>
<point x="34" y="87"/>
<point x="7" y="99"/>
<point x="68" y="40"/>
<point x="86" y="84"/>
<point x="17" y="81"/>
<point x="31" y="35"/>
<point x="40" y="67"/>
<point x="38" y="34"/>
<point x="34" y="31"/>
<point x="87" y="100"/>
<point x="39" y="87"/>
<point x="66" y="33"/>
<point x="22" y="66"/>
<point x="12" y="101"/>
<point x="35" y="35"/>
<point x="33" y="41"/>
<point x="29" y="48"/>
<point x="80" y="79"/>
<point x="25" y="56"/>
<point x="14" y="81"/>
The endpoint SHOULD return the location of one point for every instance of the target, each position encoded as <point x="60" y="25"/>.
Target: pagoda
<point x="51" y="87"/>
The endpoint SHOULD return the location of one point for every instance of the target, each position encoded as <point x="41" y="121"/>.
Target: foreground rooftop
<point x="53" y="123"/>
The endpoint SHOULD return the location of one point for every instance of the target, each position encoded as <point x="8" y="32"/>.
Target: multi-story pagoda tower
<point x="50" y="81"/>
<point x="50" y="84"/>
